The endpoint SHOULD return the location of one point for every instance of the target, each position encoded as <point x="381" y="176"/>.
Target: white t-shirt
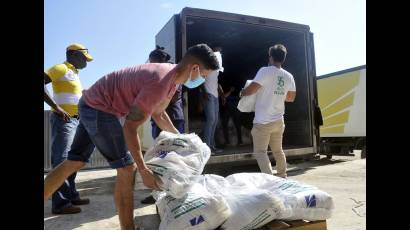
<point x="211" y="82"/>
<point x="270" y="98"/>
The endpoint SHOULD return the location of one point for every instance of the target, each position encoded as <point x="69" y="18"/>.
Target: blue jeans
<point x="102" y="130"/>
<point x="62" y="135"/>
<point x="211" y="107"/>
<point x="155" y="130"/>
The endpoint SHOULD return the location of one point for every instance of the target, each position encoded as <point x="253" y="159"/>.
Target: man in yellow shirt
<point x="64" y="121"/>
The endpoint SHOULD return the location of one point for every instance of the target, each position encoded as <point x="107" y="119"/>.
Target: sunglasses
<point x="82" y="50"/>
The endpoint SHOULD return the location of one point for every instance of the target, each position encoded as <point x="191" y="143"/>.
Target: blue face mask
<point x="194" y="83"/>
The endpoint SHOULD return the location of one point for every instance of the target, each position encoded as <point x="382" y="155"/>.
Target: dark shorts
<point x="102" y="130"/>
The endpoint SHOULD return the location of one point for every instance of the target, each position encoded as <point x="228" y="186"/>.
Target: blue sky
<point x="120" y="33"/>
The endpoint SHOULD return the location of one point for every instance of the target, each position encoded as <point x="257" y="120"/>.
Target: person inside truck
<point x="174" y="109"/>
<point x="64" y="121"/>
<point x="274" y="86"/>
<point x="229" y="109"/>
<point x="210" y="91"/>
<point x="136" y="92"/>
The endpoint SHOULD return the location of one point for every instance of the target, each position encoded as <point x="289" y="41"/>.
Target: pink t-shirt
<point x="145" y="86"/>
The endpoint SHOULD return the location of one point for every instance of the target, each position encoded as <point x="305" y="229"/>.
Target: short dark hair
<point x="159" y="54"/>
<point x="278" y="53"/>
<point x="204" y="54"/>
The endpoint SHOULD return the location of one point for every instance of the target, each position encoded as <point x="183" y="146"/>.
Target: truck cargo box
<point x="245" y="41"/>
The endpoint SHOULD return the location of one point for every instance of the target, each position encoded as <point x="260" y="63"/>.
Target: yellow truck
<point x="342" y="100"/>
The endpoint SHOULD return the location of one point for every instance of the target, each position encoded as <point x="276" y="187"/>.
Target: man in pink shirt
<point x="137" y="92"/>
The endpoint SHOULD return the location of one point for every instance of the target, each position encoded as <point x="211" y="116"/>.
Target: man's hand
<point x="223" y="99"/>
<point x="251" y="89"/>
<point x="62" y="113"/>
<point x="50" y="101"/>
<point x="149" y="179"/>
<point x="230" y="91"/>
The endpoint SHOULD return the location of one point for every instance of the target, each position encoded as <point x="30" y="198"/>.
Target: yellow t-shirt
<point x="66" y="86"/>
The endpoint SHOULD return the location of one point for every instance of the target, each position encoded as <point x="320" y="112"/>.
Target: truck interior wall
<point x="245" y="50"/>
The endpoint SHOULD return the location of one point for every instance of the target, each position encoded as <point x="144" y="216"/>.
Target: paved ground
<point x="342" y="177"/>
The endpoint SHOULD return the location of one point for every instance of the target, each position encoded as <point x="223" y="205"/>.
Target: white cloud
<point x="165" y="5"/>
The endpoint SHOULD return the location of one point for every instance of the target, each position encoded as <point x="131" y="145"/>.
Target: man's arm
<point x="47" y="79"/>
<point x="221" y="94"/>
<point x="290" y="96"/>
<point x="230" y="91"/>
<point x="220" y="90"/>
<point x="162" y="119"/>
<point x="50" y="101"/>
<point x="135" y="119"/>
<point x="251" y="89"/>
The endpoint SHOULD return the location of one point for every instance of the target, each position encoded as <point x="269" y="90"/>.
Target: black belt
<point x="75" y="116"/>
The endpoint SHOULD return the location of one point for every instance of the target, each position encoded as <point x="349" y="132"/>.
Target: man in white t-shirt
<point x="273" y="87"/>
<point x="210" y="94"/>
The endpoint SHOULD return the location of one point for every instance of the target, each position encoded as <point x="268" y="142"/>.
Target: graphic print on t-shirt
<point x="280" y="90"/>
